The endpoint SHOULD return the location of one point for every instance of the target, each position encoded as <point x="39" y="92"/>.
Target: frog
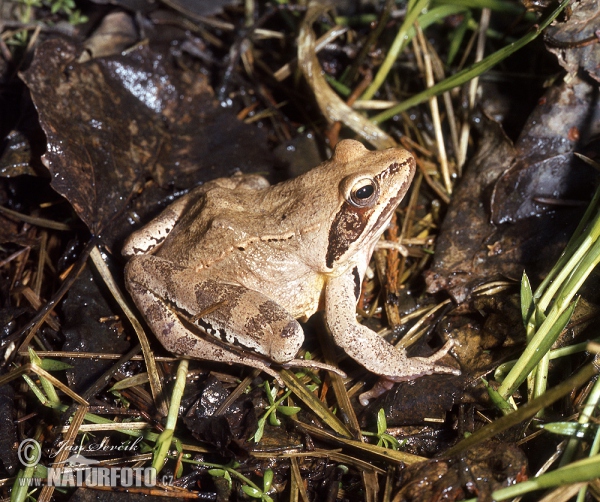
<point x="226" y="272"/>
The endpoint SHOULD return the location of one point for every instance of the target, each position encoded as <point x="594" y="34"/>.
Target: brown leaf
<point x="482" y="470"/>
<point x="97" y="150"/>
<point x="503" y="184"/>
<point x="459" y="261"/>
<point x="576" y="41"/>
<point x="116" y="32"/>
<point x="112" y="123"/>
<point x="546" y="166"/>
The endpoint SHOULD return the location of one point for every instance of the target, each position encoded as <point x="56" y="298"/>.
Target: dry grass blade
<point x="94" y="355"/>
<point x="375" y="452"/>
<point x="358" y="51"/>
<point x="119" y="427"/>
<point x="314" y="404"/>
<point x="336" y="455"/>
<point x="466" y="126"/>
<point x="331" y="105"/>
<point x="70" y="436"/>
<point x="297" y="487"/>
<point x="57" y="383"/>
<point x="237" y="392"/>
<point x="153" y="373"/>
<point x="41" y="316"/>
<point x="33" y="220"/>
<point x="335" y="32"/>
<point x="347" y="410"/>
<point x="35" y="301"/>
<point x="473" y="71"/>
<point x="435" y="111"/>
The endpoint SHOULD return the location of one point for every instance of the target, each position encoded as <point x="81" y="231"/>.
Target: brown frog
<point x="224" y="272"/>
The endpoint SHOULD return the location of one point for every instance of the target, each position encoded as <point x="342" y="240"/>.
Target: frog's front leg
<point x="150" y="237"/>
<point x="366" y="346"/>
<point x="205" y="319"/>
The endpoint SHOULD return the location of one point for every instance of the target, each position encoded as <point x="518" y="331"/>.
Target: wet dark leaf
<point x="503" y="184"/>
<point x="97" y="152"/>
<point x="228" y="431"/>
<point x="112" y="123"/>
<point x="8" y="438"/>
<point x="518" y="192"/>
<point x="546" y="168"/>
<point x="575" y="42"/>
<point x="485" y="468"/>
<point x="412" y="402"/>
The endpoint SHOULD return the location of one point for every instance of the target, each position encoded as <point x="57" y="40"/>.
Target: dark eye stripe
<point x="357" y="283"/>
<point x="347" y="226"/>
<point x="350" y="221"/>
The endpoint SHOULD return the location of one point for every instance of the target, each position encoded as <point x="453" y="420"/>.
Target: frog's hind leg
<point x="209" y="320"/>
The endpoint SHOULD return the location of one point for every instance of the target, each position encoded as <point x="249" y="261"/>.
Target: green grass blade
<point x="161" y="448"/>
<point x="571" y="429"/>
<point x="577" y="472"/>
<point x="574" y="242"/>
<point x="527" y="305"/>
<point x="536" y="349"/>
<point x="471" y="72"/>
<point x="495" y="5"/>
<point x="399" y="43"/>
<point x="457" y="38"/>
<point x="526" y="411"/>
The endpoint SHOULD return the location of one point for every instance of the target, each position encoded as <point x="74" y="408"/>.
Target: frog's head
<point x="370" y="186"/>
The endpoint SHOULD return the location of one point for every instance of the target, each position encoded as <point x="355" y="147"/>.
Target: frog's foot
<point x="367" y="347"/>
<point x="381" y="386"/>
<point x="421" y="366"/>
<point x="307" y="363"/>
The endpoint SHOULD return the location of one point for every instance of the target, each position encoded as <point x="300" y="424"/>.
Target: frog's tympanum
<point x="224" y="272"/>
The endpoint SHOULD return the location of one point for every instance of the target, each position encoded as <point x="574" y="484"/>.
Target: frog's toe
<point x="421" y="366"/>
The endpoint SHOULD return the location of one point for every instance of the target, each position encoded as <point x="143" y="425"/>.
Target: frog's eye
<point x="364" y="192"/>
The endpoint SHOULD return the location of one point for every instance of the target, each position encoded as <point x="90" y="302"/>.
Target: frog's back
<point x="222" y="218"/>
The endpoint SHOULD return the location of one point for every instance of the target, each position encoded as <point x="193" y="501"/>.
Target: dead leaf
<point x="412" y="402"/>
<point x="546" y="166"/>
<point x="113" y="123"/>
<point x="502" y="185"/>
<point x="116" y="33"/>
<point x="460" y="258"/>
<point x="97" y="152"/>
<point x="484" y="469"/>
<point x="576" y="41"/>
